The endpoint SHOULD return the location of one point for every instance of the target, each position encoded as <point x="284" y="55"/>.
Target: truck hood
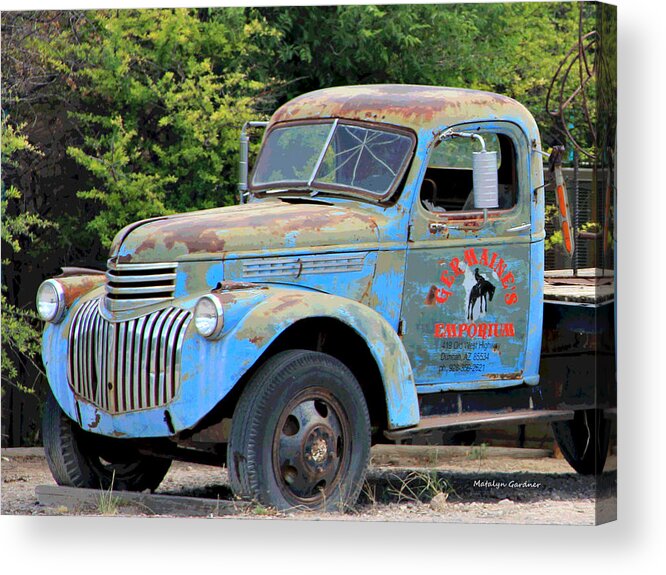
<point x="267" y="225"/>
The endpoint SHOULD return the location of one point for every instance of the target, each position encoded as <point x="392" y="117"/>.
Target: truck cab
<point x="383" y="275"/>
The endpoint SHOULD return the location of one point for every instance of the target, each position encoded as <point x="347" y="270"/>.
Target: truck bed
<point x="589" y="287"/>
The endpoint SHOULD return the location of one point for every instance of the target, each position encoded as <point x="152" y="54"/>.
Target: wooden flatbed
<point x="589" y="287"/>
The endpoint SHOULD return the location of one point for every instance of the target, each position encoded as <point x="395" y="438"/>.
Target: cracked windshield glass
<point x="332" y="155"/>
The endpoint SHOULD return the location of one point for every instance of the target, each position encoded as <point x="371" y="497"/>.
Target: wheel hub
<point x="309" y="446"/>
<point x="319" y="451"/>
<point x="318" y="447"/>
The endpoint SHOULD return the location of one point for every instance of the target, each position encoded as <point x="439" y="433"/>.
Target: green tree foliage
<point x="19" y="329"/>
<point x="163" y="94"/>
<point x="511" y="48"/>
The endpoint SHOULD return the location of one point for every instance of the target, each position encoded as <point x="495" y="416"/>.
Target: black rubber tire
<point x="584" y="440"/>
<point x="320" y="463"/>
<point x="75" y="460"/>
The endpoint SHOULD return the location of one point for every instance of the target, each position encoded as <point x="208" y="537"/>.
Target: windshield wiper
<point x="323" y="152"/>
<point x="304" y="189"/>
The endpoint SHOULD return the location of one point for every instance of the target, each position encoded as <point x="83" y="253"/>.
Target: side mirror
<point x="484" y="177"/>
<point x="484" y="172"/>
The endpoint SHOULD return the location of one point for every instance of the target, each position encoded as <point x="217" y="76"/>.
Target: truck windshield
<point x="333" y="155"/>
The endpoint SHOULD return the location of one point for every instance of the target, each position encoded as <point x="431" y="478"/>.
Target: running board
<point x="476" y="420"/>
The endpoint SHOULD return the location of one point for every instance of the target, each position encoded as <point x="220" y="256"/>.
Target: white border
<point x="72" y="545"/>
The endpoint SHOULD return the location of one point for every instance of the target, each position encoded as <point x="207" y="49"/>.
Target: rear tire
<point x="300" y="434"/>
<point x="77" y="458"/>
<point x="584" y="440"/>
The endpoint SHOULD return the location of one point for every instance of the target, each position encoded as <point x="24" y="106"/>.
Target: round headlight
<point x="208" y="316"/>
<point x="51" y="301"/>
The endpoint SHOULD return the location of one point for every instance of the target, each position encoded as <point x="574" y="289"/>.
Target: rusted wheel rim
<point x="311" y="446"/>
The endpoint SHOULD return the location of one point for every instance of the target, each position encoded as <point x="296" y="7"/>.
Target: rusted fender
<point x="77" y="284"/>
<point x="255" y="317"/>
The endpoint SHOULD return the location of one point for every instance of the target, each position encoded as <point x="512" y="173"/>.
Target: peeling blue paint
<point x="385" y="296"/>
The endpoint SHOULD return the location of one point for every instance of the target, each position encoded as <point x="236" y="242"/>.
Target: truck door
<point x="466" y="299"/>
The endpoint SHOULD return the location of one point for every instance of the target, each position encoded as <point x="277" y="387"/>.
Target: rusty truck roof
<point x="413" y="106"/>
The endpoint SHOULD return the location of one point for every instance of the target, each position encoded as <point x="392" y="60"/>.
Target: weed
<point x="369" y="490"/>
<point x="419" y="486"/>
<point x="262" y="510"/>
<point x="108" y="503"/>
<point x="478" y="452"/>
<point x="344" y="504"/>
<point x="433" y="458"/>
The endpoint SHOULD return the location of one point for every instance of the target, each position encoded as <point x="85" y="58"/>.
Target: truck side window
<point x="447" y="185"/>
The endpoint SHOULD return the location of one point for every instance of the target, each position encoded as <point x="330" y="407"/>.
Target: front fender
<point x="272" y="310"/>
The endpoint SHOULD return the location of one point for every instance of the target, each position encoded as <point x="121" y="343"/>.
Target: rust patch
<point x="405" y="105"/>
<point x="230" y="285"/>
<point x="501" y="376"/>
<point x="72" y="271"/>
<point x="226" y="298"/>
<point x="95" y="423"/>
<point x="256" y="340"/>
<point x="77" y="286"/>
<point x="237" y="228"/>
<point x="197" y="238"/>
<point x="366" y="292"/>
<point x="147" y="245"/>
<point x="430" y="298"/>
<point x="287" y="302"/>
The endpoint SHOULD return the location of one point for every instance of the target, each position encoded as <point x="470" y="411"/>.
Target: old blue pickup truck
<point x="382" y="277"/>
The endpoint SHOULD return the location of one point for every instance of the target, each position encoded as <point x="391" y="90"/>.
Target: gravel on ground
<point x="472" y="489"/>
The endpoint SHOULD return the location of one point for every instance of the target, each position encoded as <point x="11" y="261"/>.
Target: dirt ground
<point x="472" y="489"/>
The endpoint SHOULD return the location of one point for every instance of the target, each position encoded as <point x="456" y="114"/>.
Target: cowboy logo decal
<point x="481" y="274"/>
<point x="483" y="291"/>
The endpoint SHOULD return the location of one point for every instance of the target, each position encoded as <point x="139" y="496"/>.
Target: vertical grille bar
<point x="112" y="386"/>
<point x="98" y="354"/>
<point x="182" y="328"/>
<point x="104" y="391"/>
<point x="128" y="380"/>
<point x="73" y="373"/>
<point x="155" y="358"/>
<point x="84" y="357"/>
<point x="146" y="361"/>
<point x="121" y="358"/>
<point x="163" y="395"/>
<point x="103" y="377"/>
<point x="89" y="357"/>
<point x="138" y="336"/>
<point x="80" y="336"/>
<point x="167" y="358"/>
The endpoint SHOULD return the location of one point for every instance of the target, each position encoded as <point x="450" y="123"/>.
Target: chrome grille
<point x="131" y="286"/>
<point x="303" y="265"/>
<point x="127" y="365"/>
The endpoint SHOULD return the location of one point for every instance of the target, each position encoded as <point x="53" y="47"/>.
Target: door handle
<point x="518" y="229"/>
<point x="440" y="227"/>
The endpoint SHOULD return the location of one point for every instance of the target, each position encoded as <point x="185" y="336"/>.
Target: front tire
<point x="77" y="458"/>
<point x="300" y="434"/>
